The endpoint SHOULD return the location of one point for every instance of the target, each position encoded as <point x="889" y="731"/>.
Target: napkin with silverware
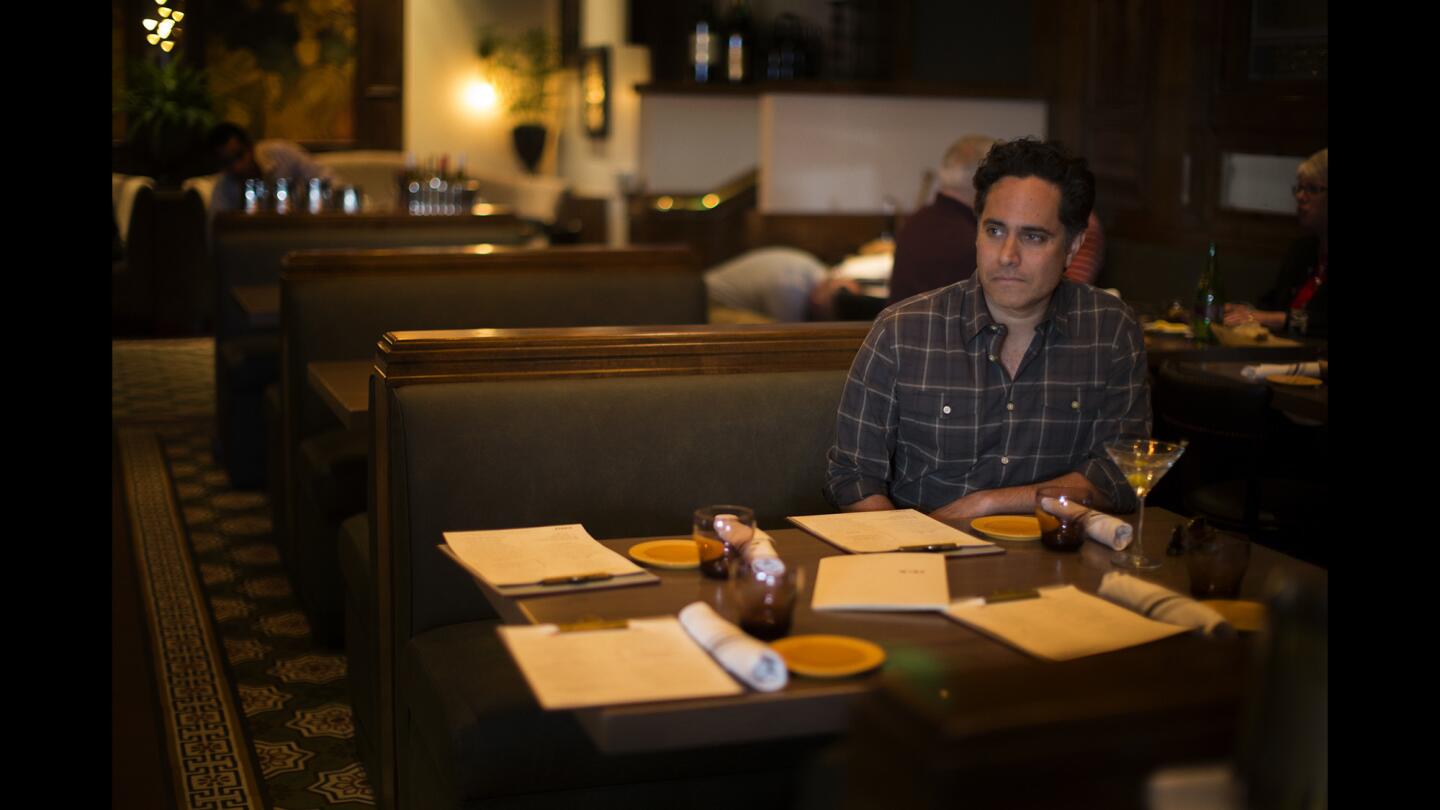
<point x="1259" y="372"/>
<point x="1163" y="605"/>
<point x="742" y="656"/>
<point x="1107" y="530"/>
<point x="756" y="547"/>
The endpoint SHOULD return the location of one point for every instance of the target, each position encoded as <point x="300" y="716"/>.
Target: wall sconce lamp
<point x="595" y="87"/>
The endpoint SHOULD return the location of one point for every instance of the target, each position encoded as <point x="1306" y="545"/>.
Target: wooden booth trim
<point x="484" y="256"/>
<point x="613" y="351"/>
<point x="268" y="220"/>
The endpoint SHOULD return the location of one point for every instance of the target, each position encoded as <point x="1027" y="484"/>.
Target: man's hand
<point x="873" y="503"/>
<point x="976" y="504"/>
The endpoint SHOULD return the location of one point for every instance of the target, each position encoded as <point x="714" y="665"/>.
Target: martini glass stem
<point x="1137" y="549"/>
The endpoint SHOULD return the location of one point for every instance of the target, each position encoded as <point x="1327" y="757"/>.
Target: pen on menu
<point x="576" y="579"/>
<point x="930" y="547"/>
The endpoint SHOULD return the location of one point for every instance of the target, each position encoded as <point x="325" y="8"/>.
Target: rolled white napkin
<point x="1107" y="530"/>
<point x="742" y="656"/>
<point x="1162" y="604"/>
<point x="1263" y="370"/>
<point x="761" y="555"/>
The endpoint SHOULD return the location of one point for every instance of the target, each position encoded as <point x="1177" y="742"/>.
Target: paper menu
<point x="503" y="557"/>
<point x="649" y="660"/>
<point x="1064" y="623"/>
<point x="898" y="581"/>
<point x="872" y="532"/>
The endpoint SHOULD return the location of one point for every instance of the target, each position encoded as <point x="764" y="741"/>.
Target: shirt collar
<point x="975" y="316"/>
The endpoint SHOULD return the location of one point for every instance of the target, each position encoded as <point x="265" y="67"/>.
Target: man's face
<point x="237" y="159"/>
<point x="1021" y="249"/>
<point x="1312" y="203"/>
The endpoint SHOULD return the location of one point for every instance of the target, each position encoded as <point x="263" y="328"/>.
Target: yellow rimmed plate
<point x="1007" y="527"/>
<point x="1243" y="615"/>
<point x="677" y="553"/>
<point x="1300" y="380"/>
<point x="821" y="656"/>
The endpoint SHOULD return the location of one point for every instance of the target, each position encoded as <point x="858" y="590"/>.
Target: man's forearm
<point x="1014" y="500"/>
<point x="872" y="503"/>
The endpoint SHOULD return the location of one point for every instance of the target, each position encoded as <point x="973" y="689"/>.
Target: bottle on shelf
<point x="704" y="45"/>
<point x="739" y="42"/>
<point x="1209" y="300"/>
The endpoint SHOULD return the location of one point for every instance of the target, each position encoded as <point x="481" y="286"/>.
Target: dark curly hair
<point x="1047" y="160"/>
<point x="220" y="134"/>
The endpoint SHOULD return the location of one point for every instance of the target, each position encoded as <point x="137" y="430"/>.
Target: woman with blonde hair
<point x="1300" y="291"/>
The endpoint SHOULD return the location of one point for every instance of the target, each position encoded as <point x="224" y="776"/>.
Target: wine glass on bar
<point x="1143" y="462"/>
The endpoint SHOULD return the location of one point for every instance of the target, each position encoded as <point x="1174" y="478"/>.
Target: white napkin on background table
<point x="1162" y="604"/>
<point x="742" y="656"/>
<point x="1263" y="370"/>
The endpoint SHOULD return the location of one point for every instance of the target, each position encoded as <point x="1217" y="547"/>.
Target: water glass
<point x="766" y="600"/>
<point x="1217" y="562"/>
<point x="1061" y="513"/>
<point x="716" y="553"/>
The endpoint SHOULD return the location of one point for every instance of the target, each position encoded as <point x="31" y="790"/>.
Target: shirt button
<point x="945" y="409"/>
<point x="1004" y="459"/>
<point x="992" y="358"/>
<point x="1075" y="404"/>
<point x="1009" y="406"/>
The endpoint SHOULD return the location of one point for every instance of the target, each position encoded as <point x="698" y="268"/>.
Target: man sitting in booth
<point x="963" y="400"/>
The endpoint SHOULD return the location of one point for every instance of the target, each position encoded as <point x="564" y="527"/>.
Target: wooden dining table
<point x="260" y="303"/>
<point x="1308" y="403"/>
<point x="344" y="386"/>
<point x="1161" y="347"/>
<point x="808" y="706"/>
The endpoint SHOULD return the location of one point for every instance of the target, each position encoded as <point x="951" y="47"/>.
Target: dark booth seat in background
<point x="246" y="250"/>
<point x="335" y="305"/>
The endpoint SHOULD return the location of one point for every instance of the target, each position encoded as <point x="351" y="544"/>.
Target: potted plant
<point x="525" y="65"/>
<point x="169" y="108"/>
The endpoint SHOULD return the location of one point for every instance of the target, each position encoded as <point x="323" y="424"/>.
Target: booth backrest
<point x="247" y="250"/>
<point x="335" y="305"/>
<point x="622" y="430"/>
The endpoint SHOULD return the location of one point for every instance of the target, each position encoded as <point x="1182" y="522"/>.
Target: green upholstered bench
<point x="622" y="430"/>
<point x="335" y="305"/>
<point x="247" y="250"/>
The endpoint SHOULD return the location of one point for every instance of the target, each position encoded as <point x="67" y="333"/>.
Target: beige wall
<point x="845" y="154"/>
<point x="440" y="61"/>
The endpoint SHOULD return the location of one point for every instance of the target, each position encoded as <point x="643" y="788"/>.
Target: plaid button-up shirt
<point x="929" y="414"/>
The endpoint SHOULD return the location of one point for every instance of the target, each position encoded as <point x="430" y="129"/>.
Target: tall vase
<point x="529" y="144"/>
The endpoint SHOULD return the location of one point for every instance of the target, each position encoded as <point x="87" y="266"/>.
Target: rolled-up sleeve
<point x="859" y="463"/>
<point x="1125" y="412"/>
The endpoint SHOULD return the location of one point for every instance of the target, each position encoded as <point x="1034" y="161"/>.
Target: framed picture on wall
<point x="595" y="91"/>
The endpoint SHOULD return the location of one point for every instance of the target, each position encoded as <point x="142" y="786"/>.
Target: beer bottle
<point x="1209" y="300"/>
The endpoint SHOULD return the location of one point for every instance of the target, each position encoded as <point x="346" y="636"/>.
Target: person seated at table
<point x="784" y="283"/>
<point x="964" y="399"/>
<point x="936" y="246"/>
<point x="1300" y="285"/>
<point x="241" y="160"/>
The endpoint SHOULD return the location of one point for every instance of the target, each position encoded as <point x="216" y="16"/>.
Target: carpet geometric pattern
<point x="291" y="715"/>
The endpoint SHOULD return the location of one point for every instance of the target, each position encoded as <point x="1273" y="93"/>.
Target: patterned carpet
<point x="247" y="690"/>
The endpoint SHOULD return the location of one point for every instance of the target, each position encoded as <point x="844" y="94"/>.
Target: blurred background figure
<point x="240" y="160"/>
<point x="936" y="246"/>
<point x="1298" y="300"/>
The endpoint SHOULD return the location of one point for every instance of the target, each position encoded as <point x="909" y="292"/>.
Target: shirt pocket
<point x="1069" y="413"/>
<point x="940" y="425"/>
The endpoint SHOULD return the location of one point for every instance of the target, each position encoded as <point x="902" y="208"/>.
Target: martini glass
<point x="1143" y="462"/>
